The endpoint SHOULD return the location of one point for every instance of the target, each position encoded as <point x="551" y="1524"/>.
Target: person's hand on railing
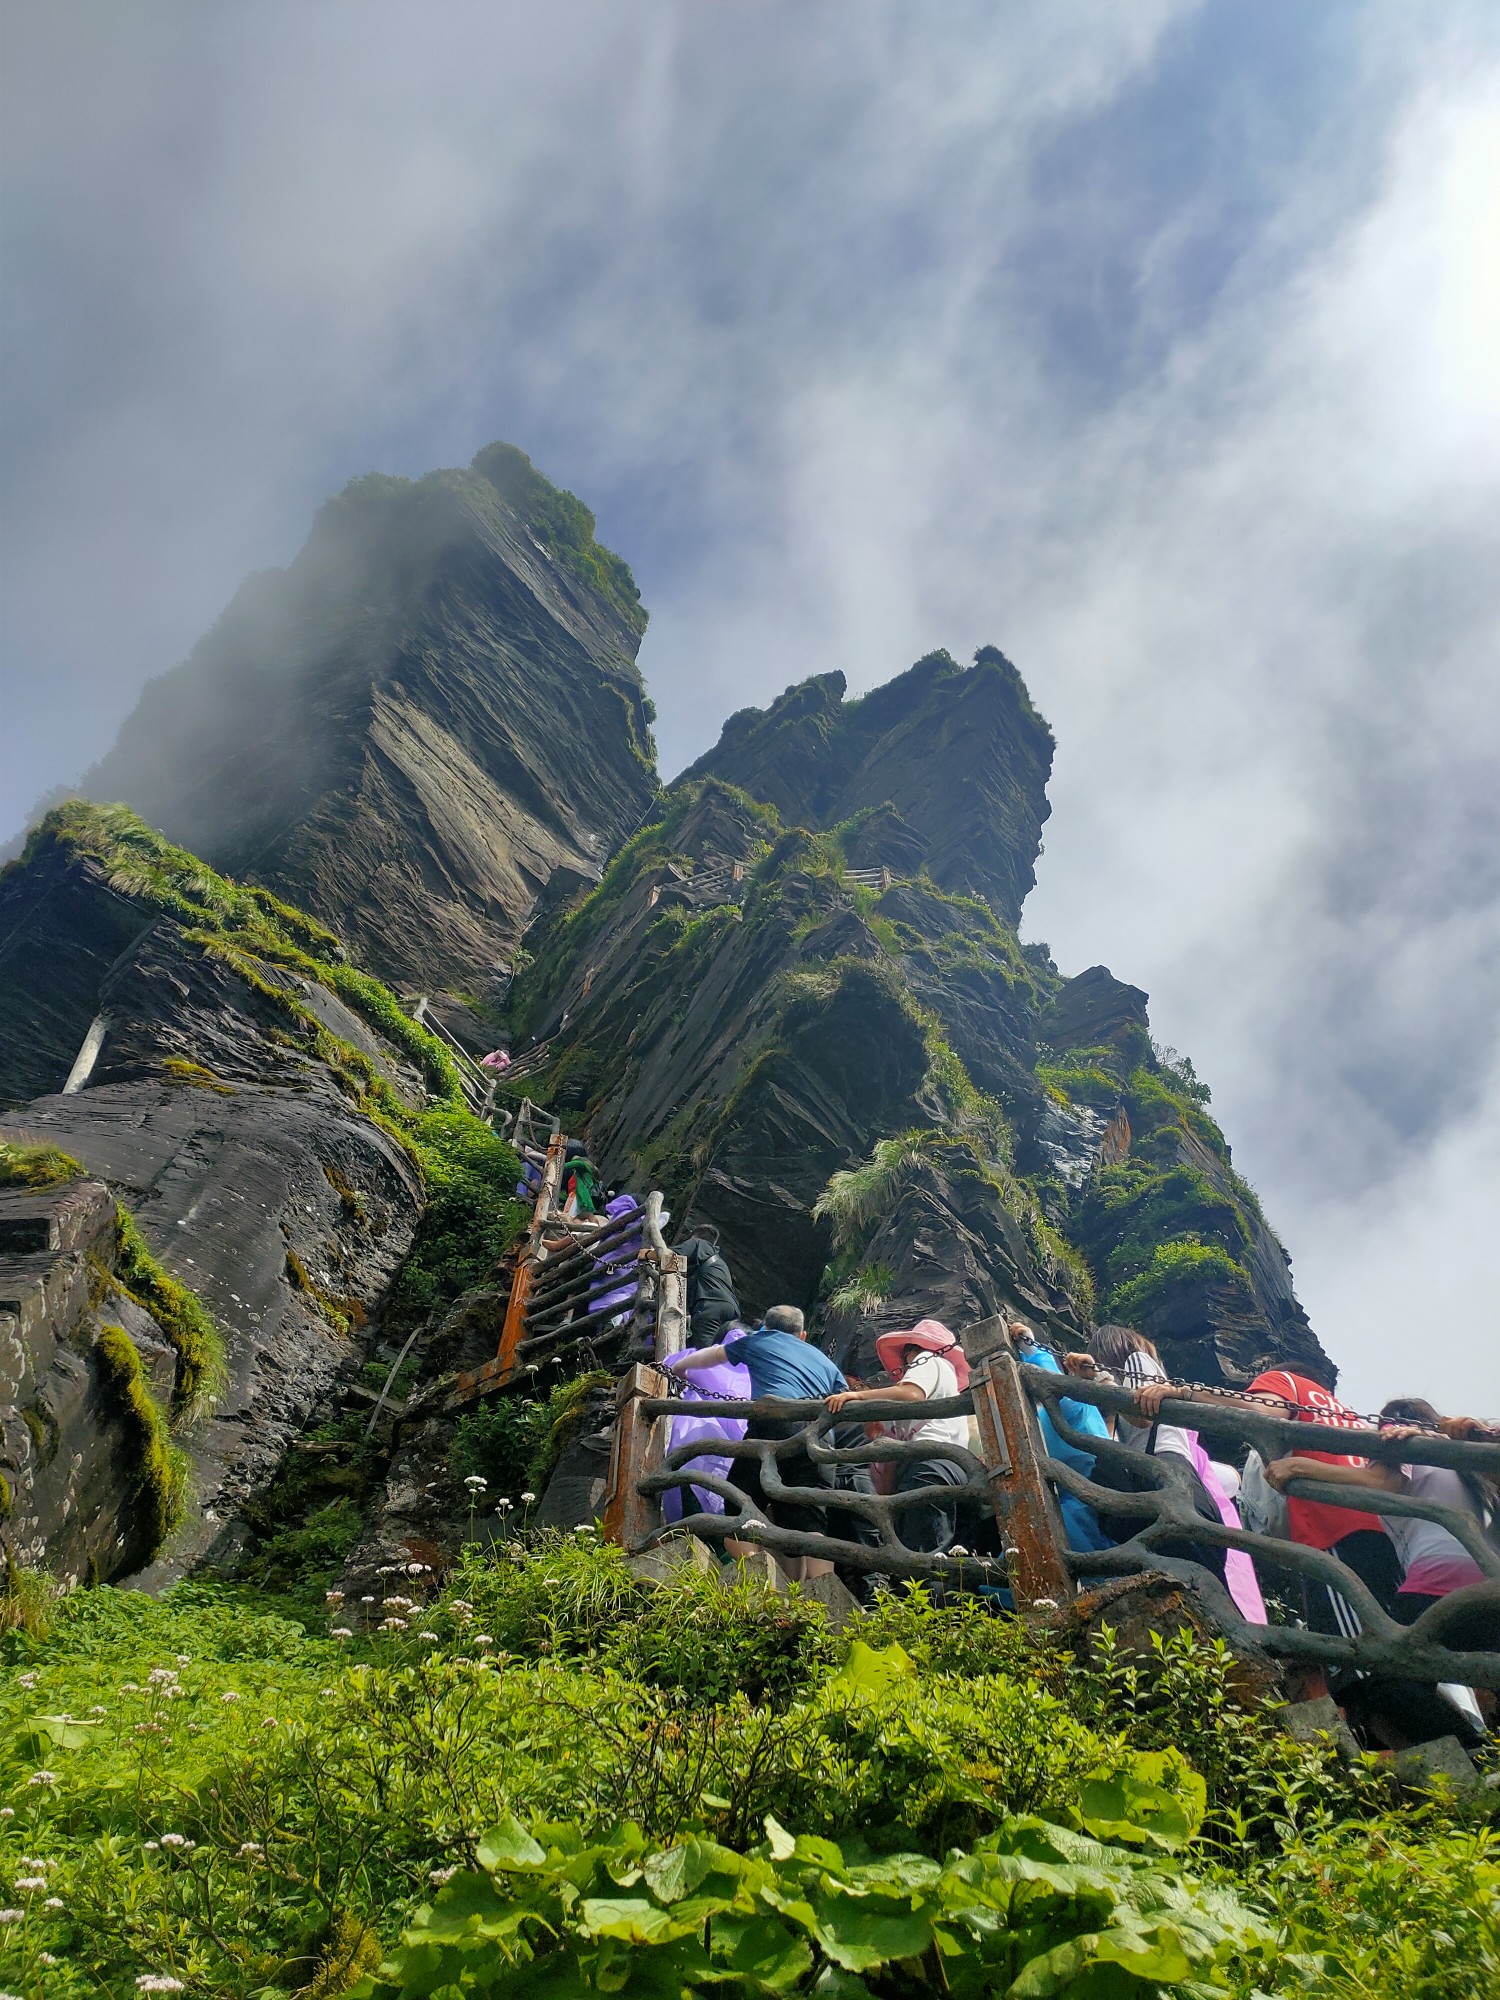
<point x="1083" y="1365"/>
<point x="1151" y="1395"/>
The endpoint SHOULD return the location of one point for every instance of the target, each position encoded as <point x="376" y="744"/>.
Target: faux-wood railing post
<point x="638" y="1447"/>
<point x="1024" y="1506"/>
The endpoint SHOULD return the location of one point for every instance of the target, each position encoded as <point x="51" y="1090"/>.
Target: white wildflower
<point x="184" y="1659"/>
<point x="28" y="1681"/>
<point x="416" y="1569"/>
<point x="1044" y="1603"/>
<point x="958" y="1549"/>
<point x="269" y="1723"/>
<point x="130" y="1687"/>
<point x="460" y="1604"/>
<point x="428" y="1635"/>
<point x="341" y="1632"/>
<point x="45" y="1958"/>
<point x="31" y="1881"/>
<point x="401" y="1603"/>
<point x="527" y="1499"/>
<point x="161" y="1677"/>
<point x="504" y="1506"/>
<point x="438" y="1876"/>
<point x="249" y="1847"/>
<point x="150" y="1845"/>
<point x="174" y="1840"/>
<point x="367" y="1600"/>
<point x="12" y="1916"/>
<point x="333" y="1597"/>
<point x="98" y="1709"/>
<point x="475" y="1484"/>
<point x="42" y="1778"/>
<point x="393" y="1625"/>
<point x="7" y="1812"/>
<point x="229" y="1695"/>
<point x="483" y="1639"/>
<point x="159" y="1982"/>
<point x="53" y="1903"/>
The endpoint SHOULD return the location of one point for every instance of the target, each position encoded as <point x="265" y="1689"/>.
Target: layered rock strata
<point x="414" y="727"/>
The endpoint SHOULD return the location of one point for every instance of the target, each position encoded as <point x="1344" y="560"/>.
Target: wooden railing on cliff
<point x="565" y="1302"/>
<point x="1009" y="1506"/>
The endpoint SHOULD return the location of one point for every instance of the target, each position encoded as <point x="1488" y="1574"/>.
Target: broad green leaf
<point x="783" y="1845"/>
<point x="1157" y="1796"/>
<point x="859" y="1936"/>
<point x="63" y="1732"/>
<point x="869" y="1672"/>
<point x="633" y="1919"/>
<point x="509" y="1845"/>
<point x="761" y="1949"/>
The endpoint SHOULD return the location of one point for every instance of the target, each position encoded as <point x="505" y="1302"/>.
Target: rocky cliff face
<point x="229" y="1108"/>
<point x="413" y="728"/>
<point x="948" y="764"/>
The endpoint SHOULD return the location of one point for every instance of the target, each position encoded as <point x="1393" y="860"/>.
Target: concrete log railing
<point x="1008" y="1497"/>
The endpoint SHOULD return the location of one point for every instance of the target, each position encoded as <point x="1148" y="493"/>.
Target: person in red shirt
<point x="1358" y="1539"/>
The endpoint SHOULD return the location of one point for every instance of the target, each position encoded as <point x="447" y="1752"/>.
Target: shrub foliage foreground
<point x="549" y="1778"/>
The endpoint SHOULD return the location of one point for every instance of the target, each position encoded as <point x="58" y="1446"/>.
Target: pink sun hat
<point x="928" y="1333"/>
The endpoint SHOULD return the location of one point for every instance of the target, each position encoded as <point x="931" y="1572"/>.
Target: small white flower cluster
<point x="159" y="1982"/>
<point x="438" y="1876"/>
<point x="28" y="1882"/>
<point x="27" y="1681"/>
<point x="229" y="1695"/>
<point x="180" y="1841"/>
<point x="248" y="1849"/>
<point x="392" y="1625"/>
<point x="12" y="1916"/>
<point x="161" y="1677"/>
<point x="42" y="1778"/>
<point x="475" y="1484"/>
<point x="333" y="1597"/>
<point x="528" y="1499"/>
<point x="341" y="1632"/>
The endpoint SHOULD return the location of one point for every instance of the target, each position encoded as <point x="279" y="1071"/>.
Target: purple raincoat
<point x="728" y="1379"/>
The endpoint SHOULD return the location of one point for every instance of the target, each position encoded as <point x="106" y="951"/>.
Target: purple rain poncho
<point x="727" y="1380"/>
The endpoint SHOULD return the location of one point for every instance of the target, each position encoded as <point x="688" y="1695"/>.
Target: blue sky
<point x="1156" y="344"/>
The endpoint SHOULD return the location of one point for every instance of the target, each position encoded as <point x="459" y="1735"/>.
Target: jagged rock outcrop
<point x="72" y="1479"/>
<point x="953" y="760"/>
<point x="412" y="728"/>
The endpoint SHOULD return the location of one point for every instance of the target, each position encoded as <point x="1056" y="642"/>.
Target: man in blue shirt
<point x="780" y="1363"/>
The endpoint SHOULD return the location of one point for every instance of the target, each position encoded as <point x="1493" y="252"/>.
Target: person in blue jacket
<point x="1079" y="1524"/>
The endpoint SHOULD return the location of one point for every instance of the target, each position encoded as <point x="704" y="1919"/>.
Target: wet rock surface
<point x="236" y="1196"/>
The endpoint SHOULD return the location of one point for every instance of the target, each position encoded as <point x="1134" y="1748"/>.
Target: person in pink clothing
<point x="929" y="1365"/>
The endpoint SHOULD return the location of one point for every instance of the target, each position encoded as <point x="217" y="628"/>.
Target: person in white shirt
<point x="928" y="1365"/>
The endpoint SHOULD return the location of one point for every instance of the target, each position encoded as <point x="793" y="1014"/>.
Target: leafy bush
<point x="1031" y="1909"/>
<point x="159" y="1470"/>
<point x="709" y="1642"/>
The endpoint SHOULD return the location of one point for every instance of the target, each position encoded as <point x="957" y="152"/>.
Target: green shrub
<point x="158" y="1491"/>
<point x="180" y="1314"/>
<point x="1031" y="1909"/>
<point x="497" y="1441"/>
<point x="1176" y="1270"/>
<point x="36" y="1166"/>
<point x="708" y="1639"/>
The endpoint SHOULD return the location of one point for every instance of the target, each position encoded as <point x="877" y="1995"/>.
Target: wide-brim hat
<point x="928" y="1333"/>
